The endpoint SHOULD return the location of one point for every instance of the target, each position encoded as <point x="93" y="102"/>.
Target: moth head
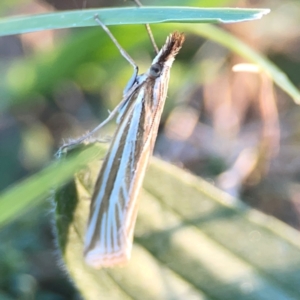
<point x="155" y="70"/>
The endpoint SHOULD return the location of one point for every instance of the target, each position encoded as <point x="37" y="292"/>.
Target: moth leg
<point x="75" y="143"/>
<point x="119" y="108"/>
<point x="123" y="53"/>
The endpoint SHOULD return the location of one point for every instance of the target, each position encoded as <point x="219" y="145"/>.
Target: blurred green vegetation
<point x="56" y="85"/>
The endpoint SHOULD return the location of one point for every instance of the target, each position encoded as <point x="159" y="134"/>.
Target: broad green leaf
<point x="191" y="242"/>
<point x="130" y="15"/>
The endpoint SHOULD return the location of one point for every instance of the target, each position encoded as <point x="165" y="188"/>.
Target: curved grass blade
<point x="236" y="45"/>
<point x="131" y="15"/>
<point x="36" y="188"/>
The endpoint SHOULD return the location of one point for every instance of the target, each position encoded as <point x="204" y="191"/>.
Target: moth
<point x="113" y="209"/>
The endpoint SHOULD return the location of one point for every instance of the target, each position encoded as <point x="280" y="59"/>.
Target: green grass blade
<point x="131" y="15"/>
<point x="204" y="3"/>
<point x="15" y="200"/>
<point x="236" y="45"/>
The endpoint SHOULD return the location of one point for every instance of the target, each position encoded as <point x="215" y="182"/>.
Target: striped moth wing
<point x="113" y="209"/>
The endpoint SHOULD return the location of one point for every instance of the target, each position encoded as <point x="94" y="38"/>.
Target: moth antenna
<point x="149" y="31"/>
